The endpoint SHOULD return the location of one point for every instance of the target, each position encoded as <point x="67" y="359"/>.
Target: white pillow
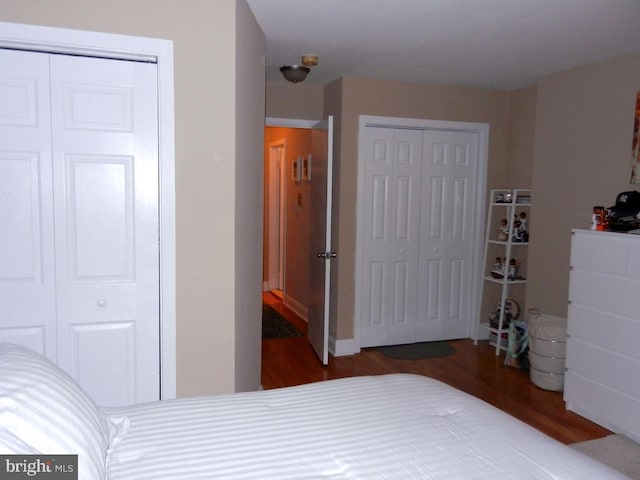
<point x="42" y="410"/>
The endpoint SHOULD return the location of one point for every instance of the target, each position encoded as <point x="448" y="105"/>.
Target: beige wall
<point x="297" y="216"/>
<point x="211" y="264"/>
<point x="584" y="127"/>
<point x="301" y="101"/>
<point x="249" y="110"/>
<point x="521" y="137"/>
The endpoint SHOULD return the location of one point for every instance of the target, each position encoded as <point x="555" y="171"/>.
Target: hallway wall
<point x="297" y="218"/>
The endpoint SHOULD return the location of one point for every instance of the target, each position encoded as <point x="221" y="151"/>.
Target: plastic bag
<point x="518" y="346"/>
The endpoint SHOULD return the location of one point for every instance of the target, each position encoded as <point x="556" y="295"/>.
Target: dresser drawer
<point x="607" y="330"/>
<point x="606" y="407"/>
<point x="620" y="296"/>
<point x="599" y="252"/>
<point x="604" y="367"/>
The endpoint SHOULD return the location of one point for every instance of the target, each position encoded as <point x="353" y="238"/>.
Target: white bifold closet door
<point x="416" y="249"/>
<point x="79" y="245"/>
<point x="391" y="243"/>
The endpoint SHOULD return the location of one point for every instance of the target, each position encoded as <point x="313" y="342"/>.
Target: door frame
<point x="124" y="47"/>
<point x="482" y="130"/>
<point x="284" y="123"/>
<point x="276" y="215"/>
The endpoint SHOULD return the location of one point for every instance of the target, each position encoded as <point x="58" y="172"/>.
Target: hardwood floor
<point x="472" y="369"/>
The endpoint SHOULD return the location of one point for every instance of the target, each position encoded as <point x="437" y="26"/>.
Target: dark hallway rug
<point x="275" y="326"/>
<point x="416" y="351"/>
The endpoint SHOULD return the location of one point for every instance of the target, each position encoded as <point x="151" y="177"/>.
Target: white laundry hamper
<point x="547" y="351"/>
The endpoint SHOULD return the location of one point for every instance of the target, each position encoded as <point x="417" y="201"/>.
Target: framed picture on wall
<point x="306" y="167"/>
<point x="296" y="169"/>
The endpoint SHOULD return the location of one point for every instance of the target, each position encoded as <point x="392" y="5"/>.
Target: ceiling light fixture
<point x="295" y="73"/>
<point x="309" y="60"/>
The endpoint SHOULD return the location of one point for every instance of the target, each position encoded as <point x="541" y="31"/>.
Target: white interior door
<point x="391" y="212"/>
<point x="79" y="243"/>
<point x="27" y="267"/>
<point x="105" y="162"/>
<point x="321" y="250"/>
<point x="450" y="166"/>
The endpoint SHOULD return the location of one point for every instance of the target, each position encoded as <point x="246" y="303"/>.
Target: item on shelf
<point x="520" y="232"/>
<point x="503" y="230"/>
<point x="504" y="340"/>
<point x="504" y="197"/>
<point x="514" y="268"/>
<point x="511" y="312"/>
<point x="501" y="269"/>
<point x="598" y="218"/>
<point x="623" y="216"/>
<point x="628" y="225"/>
<point x="627" y="205"/>
<point x="494" y="319"/>
<point x="512" y="273"/>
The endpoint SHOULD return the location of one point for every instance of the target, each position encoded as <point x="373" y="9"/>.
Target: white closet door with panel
<point x="27" y="261"/>
<point x="98" y="213"/>
<point x="416" y="245"/>
<point x="391" y="209"/>
<point x="447" y="222"/>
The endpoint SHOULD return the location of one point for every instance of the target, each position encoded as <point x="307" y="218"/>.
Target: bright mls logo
<point x="51" y="467"/>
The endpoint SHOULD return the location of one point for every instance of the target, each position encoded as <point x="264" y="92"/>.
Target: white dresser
<point x="602" y="380"/>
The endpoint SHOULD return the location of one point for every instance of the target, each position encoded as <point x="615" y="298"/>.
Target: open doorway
<point x="287" y="217"/>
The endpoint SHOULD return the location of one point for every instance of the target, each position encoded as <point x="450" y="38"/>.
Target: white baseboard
<point x="344" y="347"/>
<point x="300" y="309"/>
<point x="337" y="348"/>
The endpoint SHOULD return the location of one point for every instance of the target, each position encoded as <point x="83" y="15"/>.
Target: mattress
<point x="381" y="427"/>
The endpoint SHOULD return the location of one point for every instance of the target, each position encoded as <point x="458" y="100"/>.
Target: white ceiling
<point x="500" y="44"/>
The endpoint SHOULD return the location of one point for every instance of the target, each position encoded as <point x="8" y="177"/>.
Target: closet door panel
<point x="115" y="341"/>
<point x="106" y="203"/>
<point x="27" y="276"/>
<point x="21" y="244"/>
<point x="100" y="225"/>
<point x="376" y="303"/>
<point x="391" y="212"/>
<point x="447" y="223"/>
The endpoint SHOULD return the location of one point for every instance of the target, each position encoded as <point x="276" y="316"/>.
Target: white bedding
<point x="385" y="427"/>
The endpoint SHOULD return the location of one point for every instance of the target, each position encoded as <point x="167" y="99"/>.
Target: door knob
<point x="326" y="254"/>
<point x="101" y="302"/>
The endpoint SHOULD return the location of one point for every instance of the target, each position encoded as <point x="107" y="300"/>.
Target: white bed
<point x="384" y="427"/>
